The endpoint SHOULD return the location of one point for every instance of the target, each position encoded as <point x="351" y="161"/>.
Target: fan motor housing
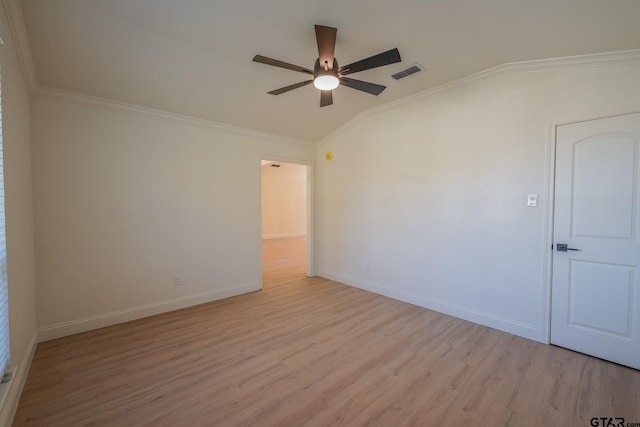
<point x="318" y="68"/>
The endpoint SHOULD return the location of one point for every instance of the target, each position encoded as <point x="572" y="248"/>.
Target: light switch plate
<point x="532" y="200"/>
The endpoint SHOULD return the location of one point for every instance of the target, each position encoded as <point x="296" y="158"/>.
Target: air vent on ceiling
<point x="407" y="72"/>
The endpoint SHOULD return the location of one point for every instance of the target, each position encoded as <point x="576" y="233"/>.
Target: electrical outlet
<point x="177" y="280"/>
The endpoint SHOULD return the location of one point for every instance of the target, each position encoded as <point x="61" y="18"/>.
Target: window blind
<point x="4" y="297"/>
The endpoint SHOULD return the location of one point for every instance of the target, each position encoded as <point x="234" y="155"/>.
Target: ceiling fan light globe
<point x="326" y="81"/>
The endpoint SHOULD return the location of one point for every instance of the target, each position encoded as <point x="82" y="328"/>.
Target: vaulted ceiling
<point x="193" y="57"/>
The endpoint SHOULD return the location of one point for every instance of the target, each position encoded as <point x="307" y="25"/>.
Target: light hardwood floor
<point x="318" y="353"/>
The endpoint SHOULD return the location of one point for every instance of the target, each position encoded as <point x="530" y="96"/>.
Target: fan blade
<point x="326" y="98"/>
<point x="385" y="58"/>
<point x="290" y="87"/>
<point x="281" y="64"/>
<point x="371" y="88"/>
<point x="326" y="38"/>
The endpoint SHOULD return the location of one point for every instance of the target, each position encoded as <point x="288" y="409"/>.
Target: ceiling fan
<point x="327" y="75"/>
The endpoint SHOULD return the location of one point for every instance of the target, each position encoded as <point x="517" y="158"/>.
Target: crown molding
<point x="23" y="51"/>
<point x="146" y="112"/>
<point x="603" y="59"/>
<point x="18" y="30"/>
<point x="606" y="59"/>
<point x="21" y="43"/>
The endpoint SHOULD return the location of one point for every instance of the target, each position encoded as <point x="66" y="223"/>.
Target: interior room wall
<point x="426" y="200"/>
<point x="19" y="218"/>
<point x="284" y="200"/>
<point x="125" y="202"/>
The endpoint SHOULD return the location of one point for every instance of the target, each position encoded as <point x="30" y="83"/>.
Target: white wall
<point x="284" y="200"/>
<point x="126" y="201"/>
<point x="425" y="201"/>
<point x="19" y="219"/>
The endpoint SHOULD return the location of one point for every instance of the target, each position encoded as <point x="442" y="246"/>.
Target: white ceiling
<point x="193" y="57"/>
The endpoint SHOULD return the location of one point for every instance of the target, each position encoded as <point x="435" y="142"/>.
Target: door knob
<point x="563" y="247"/>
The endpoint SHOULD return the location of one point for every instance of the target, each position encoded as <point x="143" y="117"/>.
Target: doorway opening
<point x="285" y="221"/>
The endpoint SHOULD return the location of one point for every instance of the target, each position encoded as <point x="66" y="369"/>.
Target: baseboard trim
<point x="283" y="235"/>
<point x="64" y="329"/>
<point x="524" y="330"/>
<point x="9" y="405"/>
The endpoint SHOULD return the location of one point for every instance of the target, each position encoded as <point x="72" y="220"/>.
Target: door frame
<point x="310" y="226"/>
<point x="549" y="187"/>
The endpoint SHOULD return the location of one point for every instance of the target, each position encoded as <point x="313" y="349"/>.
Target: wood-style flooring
<point x="313" y="352"/>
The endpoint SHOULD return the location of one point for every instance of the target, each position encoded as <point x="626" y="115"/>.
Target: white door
<point x="596" y="282"/>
